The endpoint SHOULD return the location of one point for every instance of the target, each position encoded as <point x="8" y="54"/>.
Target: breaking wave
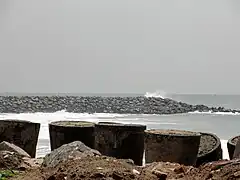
<point x="215" y="113"/>
<point x="157" y="94"/>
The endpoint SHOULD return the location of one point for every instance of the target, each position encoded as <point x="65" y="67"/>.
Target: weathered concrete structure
<point x="64" y="132"/>
<point x="172" y="146"/>
<point x="124" y="141"/>
<point x="210" y="148"/>
<point x="231" y="145"/>
<point x="21" y="133"/>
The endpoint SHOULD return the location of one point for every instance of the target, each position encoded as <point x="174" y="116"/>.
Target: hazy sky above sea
<point x="125" y="46"/>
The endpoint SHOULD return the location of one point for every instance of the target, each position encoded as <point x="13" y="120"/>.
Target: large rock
<point x="14" y="161"/>
<point x="13" y="157"/>
<point x="6" y="146"/>
<point x="10" y="160"/>
<point x="74" y="150"/>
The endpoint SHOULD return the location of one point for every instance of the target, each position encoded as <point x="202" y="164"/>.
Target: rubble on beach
<point x="76" y="161"/>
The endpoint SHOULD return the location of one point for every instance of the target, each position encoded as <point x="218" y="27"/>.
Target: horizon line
<point x="115" y="93"/>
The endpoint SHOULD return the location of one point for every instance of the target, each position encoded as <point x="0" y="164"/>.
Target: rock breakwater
<point x="97" y="104"/>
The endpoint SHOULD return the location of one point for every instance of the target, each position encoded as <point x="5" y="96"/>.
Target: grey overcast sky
<point x="102" y="46"/>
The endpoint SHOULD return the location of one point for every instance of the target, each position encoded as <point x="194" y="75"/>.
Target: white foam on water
<point x="224" y="148"/>
<point x="46" y="118"/>
<point x="216" y="113"/>
<point x="157" y="94"/>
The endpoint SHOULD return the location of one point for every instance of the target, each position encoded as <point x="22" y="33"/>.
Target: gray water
<point x="223" y="125"/>
<point x="227" y="101"/>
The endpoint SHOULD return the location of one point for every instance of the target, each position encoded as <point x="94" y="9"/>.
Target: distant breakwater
<point x="88" y="104"/>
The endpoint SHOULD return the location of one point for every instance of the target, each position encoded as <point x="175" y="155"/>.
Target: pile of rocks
<point x="94" y="104"/>
<point x="13" y="157"/>
<point x="76" y="161"/>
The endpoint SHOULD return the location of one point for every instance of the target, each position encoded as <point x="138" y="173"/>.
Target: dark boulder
<point x="67" y="152"/>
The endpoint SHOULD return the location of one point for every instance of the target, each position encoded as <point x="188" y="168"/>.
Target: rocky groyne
<point x="94" y="104"/>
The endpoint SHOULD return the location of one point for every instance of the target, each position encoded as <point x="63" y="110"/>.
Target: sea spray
<point x="156" y="94"/>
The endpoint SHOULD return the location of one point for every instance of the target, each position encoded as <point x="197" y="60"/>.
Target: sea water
<point x="224" y="125"/>
<point x="196" y="122"/>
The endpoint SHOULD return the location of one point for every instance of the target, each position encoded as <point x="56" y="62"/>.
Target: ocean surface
<point x="224" y="125"/>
